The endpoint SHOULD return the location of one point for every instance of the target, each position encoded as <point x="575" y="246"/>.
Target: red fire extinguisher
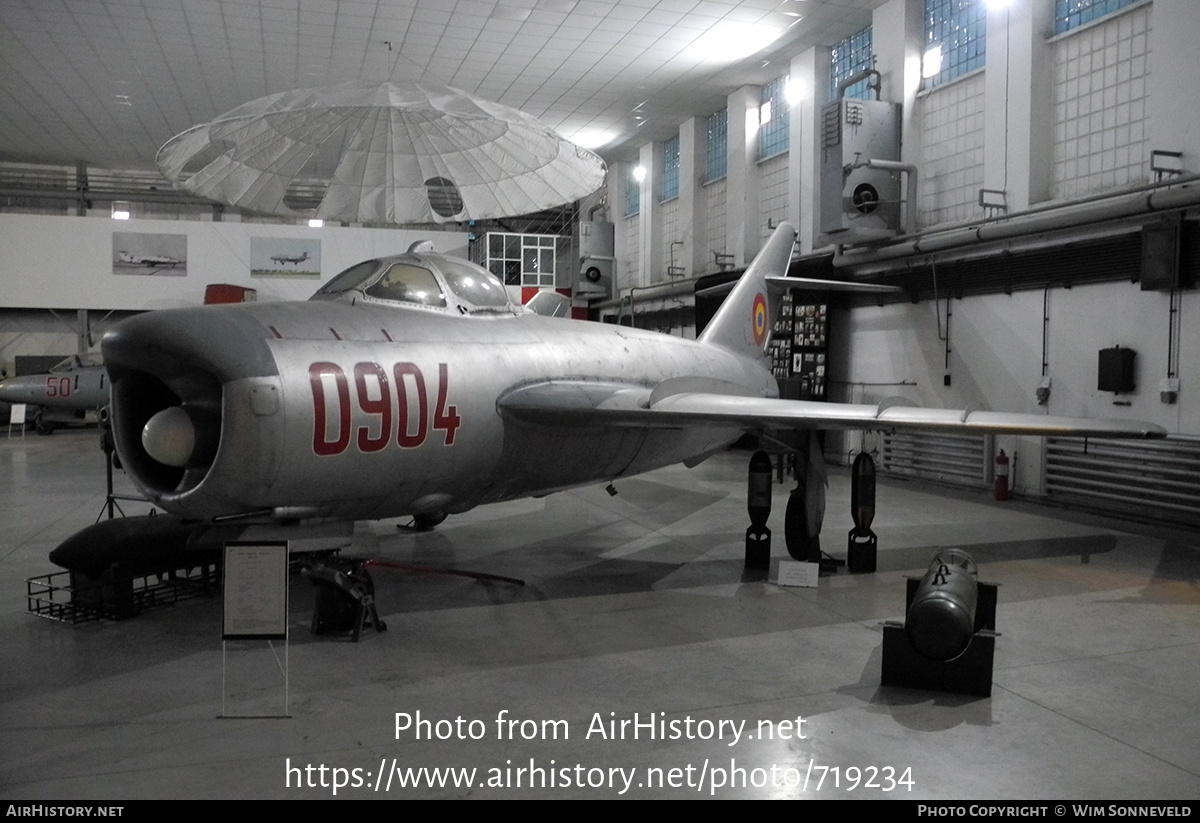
<point x="1000" y="490"/>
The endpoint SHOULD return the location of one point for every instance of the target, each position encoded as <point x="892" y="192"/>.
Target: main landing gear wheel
<point x="795" y="525"/>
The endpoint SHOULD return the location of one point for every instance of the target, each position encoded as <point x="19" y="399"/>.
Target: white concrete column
<point x="1019" y="107"/>
<point x="692" y="146"/>
<point x="650" y="246"/>
<point x="618" y="176"/>
<point x="743" y="212"/>
<point x="898" y="28"/>
<point x="1173" y="119"/>
<point x="810" y="91"/>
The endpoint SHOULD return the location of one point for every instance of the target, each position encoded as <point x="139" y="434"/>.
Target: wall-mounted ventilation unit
<point x="594" y="278"/>
<point x="859" y="203"/>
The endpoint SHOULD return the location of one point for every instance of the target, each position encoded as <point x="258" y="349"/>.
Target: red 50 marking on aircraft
<point x="402" y="415"/>
<point x="58" y="386"/>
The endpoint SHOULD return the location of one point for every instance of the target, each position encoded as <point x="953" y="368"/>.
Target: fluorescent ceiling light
<point x="591" y="138"/>
<point x="727" y="42"/>
<point x="316" y="223"/>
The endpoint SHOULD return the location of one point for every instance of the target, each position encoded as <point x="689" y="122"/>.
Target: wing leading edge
<point x="583" y="403"/>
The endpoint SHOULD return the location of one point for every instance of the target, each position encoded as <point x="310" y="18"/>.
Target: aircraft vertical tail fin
<point x="743" y="323"/>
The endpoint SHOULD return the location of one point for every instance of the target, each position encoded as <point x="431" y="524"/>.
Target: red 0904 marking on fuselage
<point x="400" y="416"/>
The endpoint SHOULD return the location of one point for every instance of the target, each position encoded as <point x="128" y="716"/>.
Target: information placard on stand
<point x="255" y="609"/>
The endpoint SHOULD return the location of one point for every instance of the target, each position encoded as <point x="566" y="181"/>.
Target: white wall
<point x="996" y="355"/>
<point x="66" y="262"/>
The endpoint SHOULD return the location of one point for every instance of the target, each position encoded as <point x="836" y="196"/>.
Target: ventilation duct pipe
<point x="1141" y="202"/>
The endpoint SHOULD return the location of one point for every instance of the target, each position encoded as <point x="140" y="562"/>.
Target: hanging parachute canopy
<point x="391" y="153"/>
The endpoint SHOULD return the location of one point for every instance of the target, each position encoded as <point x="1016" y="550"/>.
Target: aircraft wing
<point x="674" y="404"/>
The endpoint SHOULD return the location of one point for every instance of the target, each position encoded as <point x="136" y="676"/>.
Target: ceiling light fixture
<point x="727" y="42"/>
<point x="591" y="138"/>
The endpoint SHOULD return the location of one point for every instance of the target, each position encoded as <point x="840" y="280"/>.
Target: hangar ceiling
<point x="108" y="81"/>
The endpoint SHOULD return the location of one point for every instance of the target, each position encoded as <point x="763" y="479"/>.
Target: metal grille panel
<point x="947" y="458"/>
<point x="1159" y="480"/>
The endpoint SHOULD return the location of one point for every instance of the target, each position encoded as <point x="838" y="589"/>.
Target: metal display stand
<point x="345" y="600"/>
<point x="968" y="673"/>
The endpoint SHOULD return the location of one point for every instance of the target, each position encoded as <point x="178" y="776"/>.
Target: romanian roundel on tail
<point x="743" y="323"/>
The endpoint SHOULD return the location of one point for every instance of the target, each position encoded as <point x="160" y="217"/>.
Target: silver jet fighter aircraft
<point x="285" y="258"/>
<point x="147" y="259"/>
<point x="71" y="388"/>
<point x="411" y="386"/>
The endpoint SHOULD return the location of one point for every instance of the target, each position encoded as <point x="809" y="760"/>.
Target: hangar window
<point x="633" y="191"/>
<point x="716" y="161"/>
<point x="848" y="58"/>
<point x="670" y="169"/>
<point x="955" y="39"/>
<point x="773" y="119"/>
<point x="408" y="284"/>
<point x="504" y="257"/>
<point x="522" y="259"/>
<point x="537" y="260"/>
<point x="1070" y="14"/>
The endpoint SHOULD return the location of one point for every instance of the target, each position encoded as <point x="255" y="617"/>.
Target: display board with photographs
<point x="800" y="343"/>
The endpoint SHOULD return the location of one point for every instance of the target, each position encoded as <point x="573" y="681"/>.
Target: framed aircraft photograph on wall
<point x="147" y="253"/>
<point x="285" y="257"/>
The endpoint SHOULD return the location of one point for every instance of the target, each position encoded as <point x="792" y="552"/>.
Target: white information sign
<point x="256" y="590"/>
<point x="796" y="573"/>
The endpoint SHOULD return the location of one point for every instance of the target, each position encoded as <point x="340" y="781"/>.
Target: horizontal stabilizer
<point x="808" y="283"/>
<point x="816" y="284"/>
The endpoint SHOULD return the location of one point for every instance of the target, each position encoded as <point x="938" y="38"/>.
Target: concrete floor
<point x="633" y="604"/>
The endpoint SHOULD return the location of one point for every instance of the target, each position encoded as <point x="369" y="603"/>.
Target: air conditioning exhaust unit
<point x="593" y="277"/>
<point x="859" y="203"/>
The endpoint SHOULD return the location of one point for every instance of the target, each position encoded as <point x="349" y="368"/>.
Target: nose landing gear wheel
<point x="426" y="522"/>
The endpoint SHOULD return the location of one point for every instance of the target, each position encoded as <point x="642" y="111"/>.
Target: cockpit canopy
<point x="428" y="280"/>
<point x="86" y="360"/>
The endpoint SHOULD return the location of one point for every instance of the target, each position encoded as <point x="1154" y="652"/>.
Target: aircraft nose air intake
<point x="170" y="371"/>
<point x="169" y="437"/>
